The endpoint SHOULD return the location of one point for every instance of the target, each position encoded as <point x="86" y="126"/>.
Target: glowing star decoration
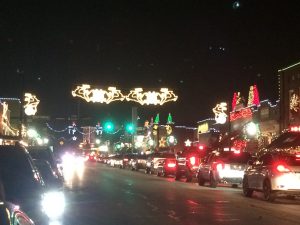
<point x="151" y="97"/>
<point x="31" y="103"/>
<point x="162" y="142"/>
<point x="98" y="95"/>
<point x="188" y="143"/>
<point x="220" y="112"/>
<point x="294" y="103"/>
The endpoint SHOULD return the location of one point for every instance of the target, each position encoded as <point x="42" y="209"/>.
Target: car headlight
<point x="53" y="204"/>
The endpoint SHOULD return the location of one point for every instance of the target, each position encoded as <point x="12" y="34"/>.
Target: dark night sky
<point x="204" y="50"/>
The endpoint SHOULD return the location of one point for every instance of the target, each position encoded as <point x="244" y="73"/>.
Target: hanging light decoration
<point x="151" y="97"/>
<point x="31" y="103"/>
<point x="98" y="95"/>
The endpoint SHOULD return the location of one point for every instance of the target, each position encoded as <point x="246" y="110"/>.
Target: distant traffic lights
<point x="108" y="126"/>
<point x="129" y="128"/>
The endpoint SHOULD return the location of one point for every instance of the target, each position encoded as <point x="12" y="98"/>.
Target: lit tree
<point x="256" y="100"/>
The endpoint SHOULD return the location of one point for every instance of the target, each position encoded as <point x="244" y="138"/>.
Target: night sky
<point x="203" y="50"/>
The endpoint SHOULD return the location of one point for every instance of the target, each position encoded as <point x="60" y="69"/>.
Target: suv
<point x="139" y="162"/>
<point x="223" y="167"/>
<point x="157" y="159"/>
<point x="187" y="164"/>
<point x="276" y="171"/>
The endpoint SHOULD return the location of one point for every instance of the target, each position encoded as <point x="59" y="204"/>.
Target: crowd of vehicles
<point x="32" y="182"/>
<point x="274" y="171"/>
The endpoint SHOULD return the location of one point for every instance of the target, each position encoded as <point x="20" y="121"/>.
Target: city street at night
<point x="150" y="112"/>
<point x="109" y="196"/>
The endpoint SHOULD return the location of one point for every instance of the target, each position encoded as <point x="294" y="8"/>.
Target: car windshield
<point x="286" y="140"/>
<point x="41" y="154"/>
<point x="230" y="157"/>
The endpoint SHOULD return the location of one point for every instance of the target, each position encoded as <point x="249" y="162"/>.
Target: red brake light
<point x="171" y="165"/>
<point x="192" y="160"/>
<point x="125" y="159"/>
<point x="298" y="157"/>
<point x="201" y="147"/>
<point x="282" y="168"/>
<point x="295" y="128"/>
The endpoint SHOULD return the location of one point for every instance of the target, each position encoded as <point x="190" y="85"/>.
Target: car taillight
<point x="282" y="168"/>
<point x="125" y="159"/>
<point x="193" y="160"/>
<point x="201" y="147"/>
<point x="295" y="128"/>
<point x="297" y="157"/>
<point x="171" y="165"/>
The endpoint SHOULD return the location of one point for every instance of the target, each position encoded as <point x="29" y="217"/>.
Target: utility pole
<point x="22" y="84"/>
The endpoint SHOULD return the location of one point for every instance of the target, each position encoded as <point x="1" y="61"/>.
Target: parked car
<point x="167" y="167"/>
<point x="223" y="167"/>
<point x="276" y="171"/>
<point x="156" y="159"/>
<point x="139" y="162"/>
<point x="25" y="187"/>
<point x="45" y="153"/>
<point x="188" y="163"/>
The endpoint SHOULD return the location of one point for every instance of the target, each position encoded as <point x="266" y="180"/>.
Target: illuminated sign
<point x="31" y="103"/>
<point x="220" y="112"/>
<point x="243" y="113"/>
<point x="203" y="128"/>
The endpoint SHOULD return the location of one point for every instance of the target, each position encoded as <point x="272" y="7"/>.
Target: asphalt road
<point x="112" y="196"/>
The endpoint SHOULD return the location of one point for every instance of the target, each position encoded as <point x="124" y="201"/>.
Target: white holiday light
<point x="98" y="95"/>
<point x="31" y="103"/>
<point x="151" y="97"/>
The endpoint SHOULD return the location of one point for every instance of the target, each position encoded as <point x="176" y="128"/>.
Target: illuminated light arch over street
<point x="98" y="95"/>
<point x="151" y="97"/>
<point x="112" y="94"/>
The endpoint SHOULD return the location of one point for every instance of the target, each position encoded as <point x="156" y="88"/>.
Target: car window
<point x="231" y="157"/>
<point x="286" y="140"/>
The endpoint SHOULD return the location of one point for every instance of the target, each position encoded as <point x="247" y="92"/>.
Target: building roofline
<point x="296" y="64"/>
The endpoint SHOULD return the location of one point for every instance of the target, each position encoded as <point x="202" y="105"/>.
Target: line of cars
<point x="274" y="171"/>
<point x="32" y="185"/>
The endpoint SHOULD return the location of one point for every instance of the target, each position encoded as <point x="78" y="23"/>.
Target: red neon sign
<point x="244" y="113"/>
